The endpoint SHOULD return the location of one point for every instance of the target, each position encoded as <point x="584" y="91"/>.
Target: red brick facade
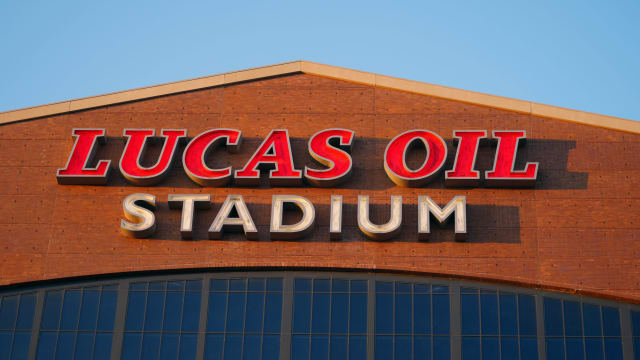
<point x="577" y="230"/>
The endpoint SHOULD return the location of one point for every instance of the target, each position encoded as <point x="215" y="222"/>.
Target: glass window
<point x="244" y="318"/>
<point x="162" y="319"/>
<point x="412" y="320"/>
<point x="577" y="330"/>
<point x="16" y="321"/>
<point x="497" y="325"/>
<point x="78" y="322"/>
<point x="329" y="319"/>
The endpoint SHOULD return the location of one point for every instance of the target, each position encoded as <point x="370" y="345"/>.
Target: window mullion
<point x="287" y="315"/>
<point x="625" y="327"/>
<point x="542" y="353"/>
<point x="118" y="325"/>
<point x="35" y="329"/>
<point x="204" y="312"/>
<point x="455" y="323"/>
<point x="371" y="317"/>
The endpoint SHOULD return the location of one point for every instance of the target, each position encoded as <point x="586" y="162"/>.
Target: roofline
<point x="307" y="67"/>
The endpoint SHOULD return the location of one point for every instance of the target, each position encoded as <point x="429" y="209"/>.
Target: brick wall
<point x="577" y="230"/>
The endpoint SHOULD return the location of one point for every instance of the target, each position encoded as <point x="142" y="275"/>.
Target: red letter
<point x="462" y="173"/>
<point x="274" y="150"/>
<point x="199" y="148"/>
<point x="338" y="161"/>
<point x="76" y="172"/>
<point x="130" y="161"/>
<point x="503" y="173"/>
<point x="395" y="154"/>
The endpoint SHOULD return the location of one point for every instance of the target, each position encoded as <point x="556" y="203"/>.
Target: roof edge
<point x="302" y="66"/>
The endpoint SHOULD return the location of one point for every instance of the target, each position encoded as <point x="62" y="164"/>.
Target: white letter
<point x="335" y="221"/>
<point x="294" y="231"/>
<point x="142" y="222"/>
<point x="384" y="231"/>
<point x="188" y="202"/>
<point x="458" y="205"/>
<point x="223" y="221"/>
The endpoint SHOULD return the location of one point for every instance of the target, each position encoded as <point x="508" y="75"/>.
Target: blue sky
<point x="583" y="55"/>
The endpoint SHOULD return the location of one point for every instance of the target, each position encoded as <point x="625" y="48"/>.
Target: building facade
<point x="540" y="261"/>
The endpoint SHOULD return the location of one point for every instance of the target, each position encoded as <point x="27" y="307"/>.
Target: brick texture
<point x="577" y="230"/>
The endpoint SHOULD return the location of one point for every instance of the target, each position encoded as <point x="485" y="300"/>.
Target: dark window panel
<point x="176" y="285"/>
<point x="339" y="313"/>
<point x="440" y="289"/>
<point x="8" y="312"/>
<point x="509" y="347"/>
<point x="255" y="312"/>
<point x="575" y="348"/>
<point x="319" y="347"/>
<point x="422" y="347"/>
<point x="508" y="315"/>
<point x="421" y="288"/>
<point x="51" y="311"/>
<point x="339" y="285"/>
<point x="135" y="311"/>
<point x="338" y="350"/>
<point x="274" y="284"/>
<point x="594" y="348"/>
<point x="153" y="316"/>
<point x="108" y="305"/>
<point x="5" y="343"/>
<point x="553" y="317"/>
<point x="422" y="314"/>
<point x="402" y="347"/>
<point x="611" y="321"/>
<point x="233" y="347"/>
<point x="188" y="346"/>
<point x="66" y="342"/>
<point x="635" y="323"/>
<point x="403" y="287"/>
<point x="172" y="311"/>
<point x="21" y="341"/>
<point x="169" y="346"/>
<point x="84" y="343"/>
<point x="142" y="285"/>
<point x="300" y="347"/>
<point x="470" y="347"/>
<point x="403" y="313"/>
<point x="46" y="345"/>
<point x="251" y="345"/>
<point x="384" y="287"/>
<point x="89" y="310"/>
<point x="194" y="285"/>
<point x="131" y="346"/>
<point x="612" y="348"/>
<point x="235" y="312"/>
<point x="357" y="347"/>
<point x="592" y="321"/>
<point x="358" y="314"/>
<point x="470" y="314"/>
<point x="491" y="348"/>
<point x="489" y="313"/>
<point x="320" y="313"/>
<point x="110" y="287"/>
<point x="527" y="315"/>
<point x="302" y="285"/>
<point x="26" y="311"/>
<point x="466" y="290"/>
<point x="150" y="346"/>
<point x="219" y="285"/>
<point x="273" y="313"/>
<point x="301" y="312"/>
<point x="636" y="348"/>
<point x="441" y="314"/>
<point x="384" y="313"/>
<point x="157" y="285"/>
<point x="217" y="312"/>
<point x="271" y="347"/>
<point x="555" y="348"/>
<point x="528" y="348"/>
<point x="321" y="285"/>
<point x="572" y="319"/>
<point x="256" y="284"/>
<point x="384" y="347"/>
<point x="441" y="348"/>
<point x="213" y="346"/>
<point x="237" y="285"/>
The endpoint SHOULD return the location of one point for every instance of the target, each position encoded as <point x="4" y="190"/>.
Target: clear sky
<point x="583" y="55"/>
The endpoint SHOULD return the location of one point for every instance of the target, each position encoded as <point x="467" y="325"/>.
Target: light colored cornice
<point x="520" y="106"/>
